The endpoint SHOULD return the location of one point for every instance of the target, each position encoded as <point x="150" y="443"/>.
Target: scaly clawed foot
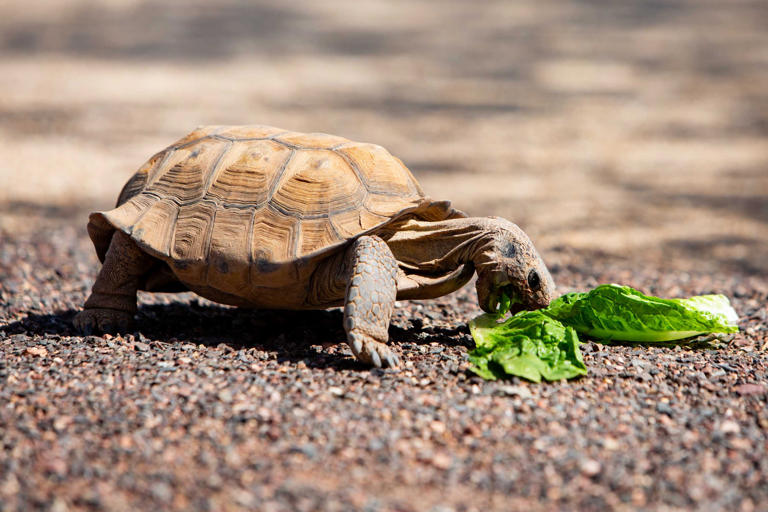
<point x="372" y="352"/>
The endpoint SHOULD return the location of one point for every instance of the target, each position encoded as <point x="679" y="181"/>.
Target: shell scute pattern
<point x="155" y="226"/>
<point x="184" y="173"/>
<point x="230" y="248"/>
<point x="382" y="173"/>
<point x="225" y="200"/>
<point x="189" y="251"/>
<point x="316" y="183"/>
<point x="248" y="172"/>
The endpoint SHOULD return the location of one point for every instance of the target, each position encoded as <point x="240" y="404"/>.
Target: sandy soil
<point x="628" y="139"/>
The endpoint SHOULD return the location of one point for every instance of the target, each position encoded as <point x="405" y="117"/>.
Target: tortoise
<point x="260" y="217"/>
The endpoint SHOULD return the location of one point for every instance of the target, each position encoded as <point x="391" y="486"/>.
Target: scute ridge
<point x="214" y="171"/>
<point x="276" y="179"/>
<point x="295" y="241"/>
<point x="352" y="165"/>
<point x="251" y="224"/>
<point x="190" y="142"/>
<point x="207" y="245"/>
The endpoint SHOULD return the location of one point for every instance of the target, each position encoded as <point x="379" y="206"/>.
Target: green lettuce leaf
<point x="614" y="312"/>
<point x="530" y="345"/>
<point x="545" y="344"/>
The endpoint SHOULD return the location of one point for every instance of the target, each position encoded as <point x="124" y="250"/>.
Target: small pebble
<point x="590" y="467"/>
<point x="37" y="351"/>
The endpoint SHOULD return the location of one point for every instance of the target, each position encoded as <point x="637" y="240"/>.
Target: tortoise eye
<point x="534" y="281"/>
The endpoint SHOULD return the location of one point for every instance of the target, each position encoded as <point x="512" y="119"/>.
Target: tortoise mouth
<point x="503" y="299"/>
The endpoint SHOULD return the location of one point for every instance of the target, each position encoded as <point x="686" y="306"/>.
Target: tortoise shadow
<point x="421" y="334"/>
<point x="313" y="337"/>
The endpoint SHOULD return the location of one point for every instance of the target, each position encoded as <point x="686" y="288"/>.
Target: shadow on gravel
<point x="291" y="335"/>
<point x="420" y="334"/>
<point x="54" y="323"/>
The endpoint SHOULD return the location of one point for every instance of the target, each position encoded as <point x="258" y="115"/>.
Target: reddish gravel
<point x="213" y="408"/>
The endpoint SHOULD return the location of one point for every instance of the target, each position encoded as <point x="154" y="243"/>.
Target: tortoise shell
<point x="237" y="207"/>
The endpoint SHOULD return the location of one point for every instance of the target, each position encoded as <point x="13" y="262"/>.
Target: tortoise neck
<point x="425" y="246"/>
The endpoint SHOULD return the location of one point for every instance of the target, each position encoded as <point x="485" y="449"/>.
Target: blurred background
<point x="632" y="130"/>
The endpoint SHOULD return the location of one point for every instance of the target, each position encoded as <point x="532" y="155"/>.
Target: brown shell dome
<point x="224" y="199"/>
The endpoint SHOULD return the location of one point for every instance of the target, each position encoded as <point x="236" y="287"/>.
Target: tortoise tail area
<point x="125" y="218"/>
<point x="100" y="233"/>
<point x="101" y="227"/>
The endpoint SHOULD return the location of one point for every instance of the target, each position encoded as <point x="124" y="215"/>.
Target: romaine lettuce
<point x="544" y="343"/>
<point x="614" y="312"/>
<point x="529" y="344"/>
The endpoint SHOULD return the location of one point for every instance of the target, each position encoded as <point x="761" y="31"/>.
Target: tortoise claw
<point x="381" y="356"/>
<point x="392" y="361"/>
<point x="98" y="320"/>
<point x="372" y="352"/>
<point x="375" y="359"/>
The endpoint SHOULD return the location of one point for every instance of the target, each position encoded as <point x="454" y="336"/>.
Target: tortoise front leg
<point x="112" y="303"/>
<point x="370" y="299"/>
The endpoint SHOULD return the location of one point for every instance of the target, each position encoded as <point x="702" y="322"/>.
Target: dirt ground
<point x="628" y="139"/>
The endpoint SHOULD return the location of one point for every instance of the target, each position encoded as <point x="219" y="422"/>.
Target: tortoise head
<point x="508" y="263"/>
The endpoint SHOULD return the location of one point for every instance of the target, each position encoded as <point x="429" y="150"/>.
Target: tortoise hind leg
<point x="370" y="299"/>
<point x="112" y="303"/>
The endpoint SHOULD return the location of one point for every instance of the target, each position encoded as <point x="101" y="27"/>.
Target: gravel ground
<point x="214" y="408"/>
